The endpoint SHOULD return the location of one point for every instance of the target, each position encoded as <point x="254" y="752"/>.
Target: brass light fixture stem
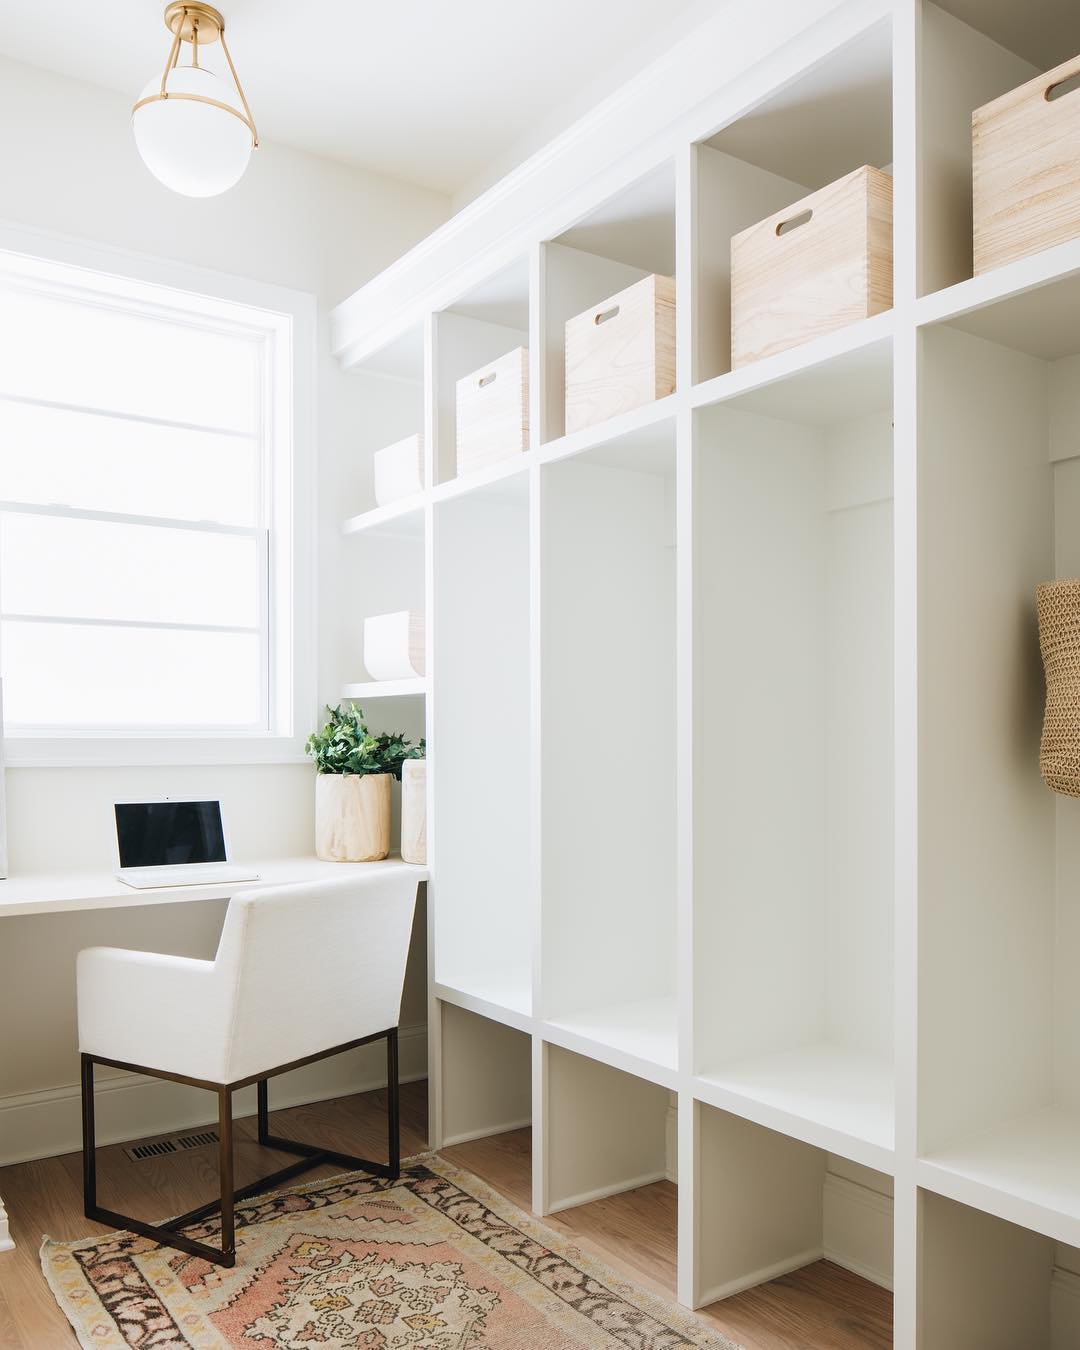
<point x="239" y="88"/>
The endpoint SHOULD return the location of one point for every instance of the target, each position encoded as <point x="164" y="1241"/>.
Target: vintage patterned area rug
<point x="436" y="1259"/>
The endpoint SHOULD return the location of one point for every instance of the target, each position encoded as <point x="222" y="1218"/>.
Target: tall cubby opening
<point x="993" y="1285"/>
<point x="793" y="768"/>
<point x="768" y="1204"/>
<point x="972" y="53"/>
<point x="486" y="1078"/>
<point x="488" y="321"/>
<point x="999" y="853"/>
<point x="831" y="120"/>
<point x="625" y="239"/>
<point x="482" y="756"/>
<point x="607" y="738"/>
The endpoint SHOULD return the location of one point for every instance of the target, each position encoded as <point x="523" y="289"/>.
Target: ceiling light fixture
<point x="194" y="133"/>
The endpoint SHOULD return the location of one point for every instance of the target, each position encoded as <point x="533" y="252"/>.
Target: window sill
<point x="72" y="752"/>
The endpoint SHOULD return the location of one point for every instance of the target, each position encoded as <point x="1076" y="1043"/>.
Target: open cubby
<point x="999" y="914"/>
<point x="793" y="767"/>
<point x="489" y="320"/>
<point x="768" y="1204"/>
<point x="992" y="1285"/>
<point x="621" y="241"/>
<point x="607" y="744"/>
<point x="482" y="756"/>
<point x="832" y="119"/>
<point x="486" y="1078"/>
<point x="606" y="1131"/>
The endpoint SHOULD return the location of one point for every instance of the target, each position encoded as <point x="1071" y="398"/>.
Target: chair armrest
<point x="152" y="1010"/>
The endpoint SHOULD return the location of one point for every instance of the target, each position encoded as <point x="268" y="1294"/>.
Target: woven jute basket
<point x="1058" y="604"/>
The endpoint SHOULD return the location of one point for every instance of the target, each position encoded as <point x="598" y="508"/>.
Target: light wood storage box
<point x="394" y="645"/>
<point x="1025" y="157"/>
<point x="621" y="353"/>
<point x="399" y="470"/>
<point x="493" y="412"/>
<point x="820" y="264"/>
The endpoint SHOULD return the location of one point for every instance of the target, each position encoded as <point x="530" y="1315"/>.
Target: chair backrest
<point x="313" y="966"/>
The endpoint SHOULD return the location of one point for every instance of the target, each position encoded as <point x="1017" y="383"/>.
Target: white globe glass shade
<point x="194" y="148"/>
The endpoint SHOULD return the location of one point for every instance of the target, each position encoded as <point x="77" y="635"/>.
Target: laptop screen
<point x="164" y="834"/>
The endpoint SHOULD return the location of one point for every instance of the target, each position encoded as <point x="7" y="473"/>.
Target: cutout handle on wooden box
<point x="605" y="314"/>
<point x="786" y="226"/>
<point x="1069" y="85"/>
<point x="487" y="379"/>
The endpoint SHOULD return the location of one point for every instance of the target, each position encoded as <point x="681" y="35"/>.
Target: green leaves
<point x="344" y="745"/>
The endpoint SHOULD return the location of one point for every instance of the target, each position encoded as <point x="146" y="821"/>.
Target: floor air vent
<point x="157" y="1148"/>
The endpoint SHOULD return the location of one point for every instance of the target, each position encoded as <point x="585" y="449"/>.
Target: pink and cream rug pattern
<point x="436" y="1259"/>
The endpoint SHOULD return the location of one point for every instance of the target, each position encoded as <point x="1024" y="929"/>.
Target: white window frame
<point x="284" y="320"/>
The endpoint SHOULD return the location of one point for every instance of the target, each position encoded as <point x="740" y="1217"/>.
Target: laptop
<point x="173" y="844"/>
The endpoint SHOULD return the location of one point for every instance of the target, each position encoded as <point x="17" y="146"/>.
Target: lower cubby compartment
<point x="769" y="1205"/>
<point x="987" y="1284"/>
<point x="608" y="1154"/>
<point x="486" y="1078"/>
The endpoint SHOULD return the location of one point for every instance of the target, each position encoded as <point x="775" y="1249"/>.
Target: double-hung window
<point x="147" y="512"/>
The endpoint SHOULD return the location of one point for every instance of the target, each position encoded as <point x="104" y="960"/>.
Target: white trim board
<point x="133" y="1106"/>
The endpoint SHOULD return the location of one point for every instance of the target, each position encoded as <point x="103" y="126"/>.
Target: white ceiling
<point x="432" y="92"/>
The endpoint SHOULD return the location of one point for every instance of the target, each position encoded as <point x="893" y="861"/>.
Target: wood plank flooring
<point x="818" y="1308"/>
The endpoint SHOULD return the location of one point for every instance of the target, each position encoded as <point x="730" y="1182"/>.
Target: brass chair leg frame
<point x="170" y="1234"/>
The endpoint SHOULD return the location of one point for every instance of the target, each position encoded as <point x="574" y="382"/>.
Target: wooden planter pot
<point x="352" y="816"/>
<point x="414" y="811"/>
<point x="1059" y="635"/>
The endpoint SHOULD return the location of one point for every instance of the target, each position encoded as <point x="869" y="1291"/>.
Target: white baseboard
<point x="132" y="1106"/>
<point x="467" y="1136"/>
<point x="858" y="1229"/>
<point x="762" y="1276"/>
<point x="602" y="1192"/>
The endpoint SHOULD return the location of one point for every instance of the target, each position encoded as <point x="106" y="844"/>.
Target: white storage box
<point x="621" y="353"/>
<point x="493" y="411"/>
<point x="394" y="645"/>
<point x="399" y="470"/>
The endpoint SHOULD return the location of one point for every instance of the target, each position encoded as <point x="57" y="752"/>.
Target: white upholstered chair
<point x="301" y="973"/>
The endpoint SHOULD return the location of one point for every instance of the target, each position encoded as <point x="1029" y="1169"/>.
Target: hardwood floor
<point x="818" y="1308"/>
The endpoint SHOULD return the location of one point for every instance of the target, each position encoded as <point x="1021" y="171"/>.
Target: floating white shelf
<point x="826" y="1095"/>
<point x="385" y="689"/>
<point x="640" y="1036"/>
<point x="1026" y="1171"/>
<point x="399" y="520"/>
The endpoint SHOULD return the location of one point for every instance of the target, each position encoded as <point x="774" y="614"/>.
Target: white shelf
<point x="640" y="1037"/>
<point x="399" y="520"/>
<point x="482" y="478"/>
<point x="850" y="369"/>
<point x="502" y="1000"/>
<point x="385" y="689"/>
<point x="826" y="1095"/>
<point x="1032" y="305"/>
<point x="639" y="427"/>
<point x="1026" y="1171"/>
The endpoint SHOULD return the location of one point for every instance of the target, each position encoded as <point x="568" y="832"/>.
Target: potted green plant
<point x="414" y="805"/>
<point x="352" y="786"/>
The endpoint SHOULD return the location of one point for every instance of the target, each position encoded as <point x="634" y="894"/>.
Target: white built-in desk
<point x="69" y="892"/>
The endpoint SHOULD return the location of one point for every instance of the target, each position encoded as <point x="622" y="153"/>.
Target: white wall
<point x="69" y="167"/>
